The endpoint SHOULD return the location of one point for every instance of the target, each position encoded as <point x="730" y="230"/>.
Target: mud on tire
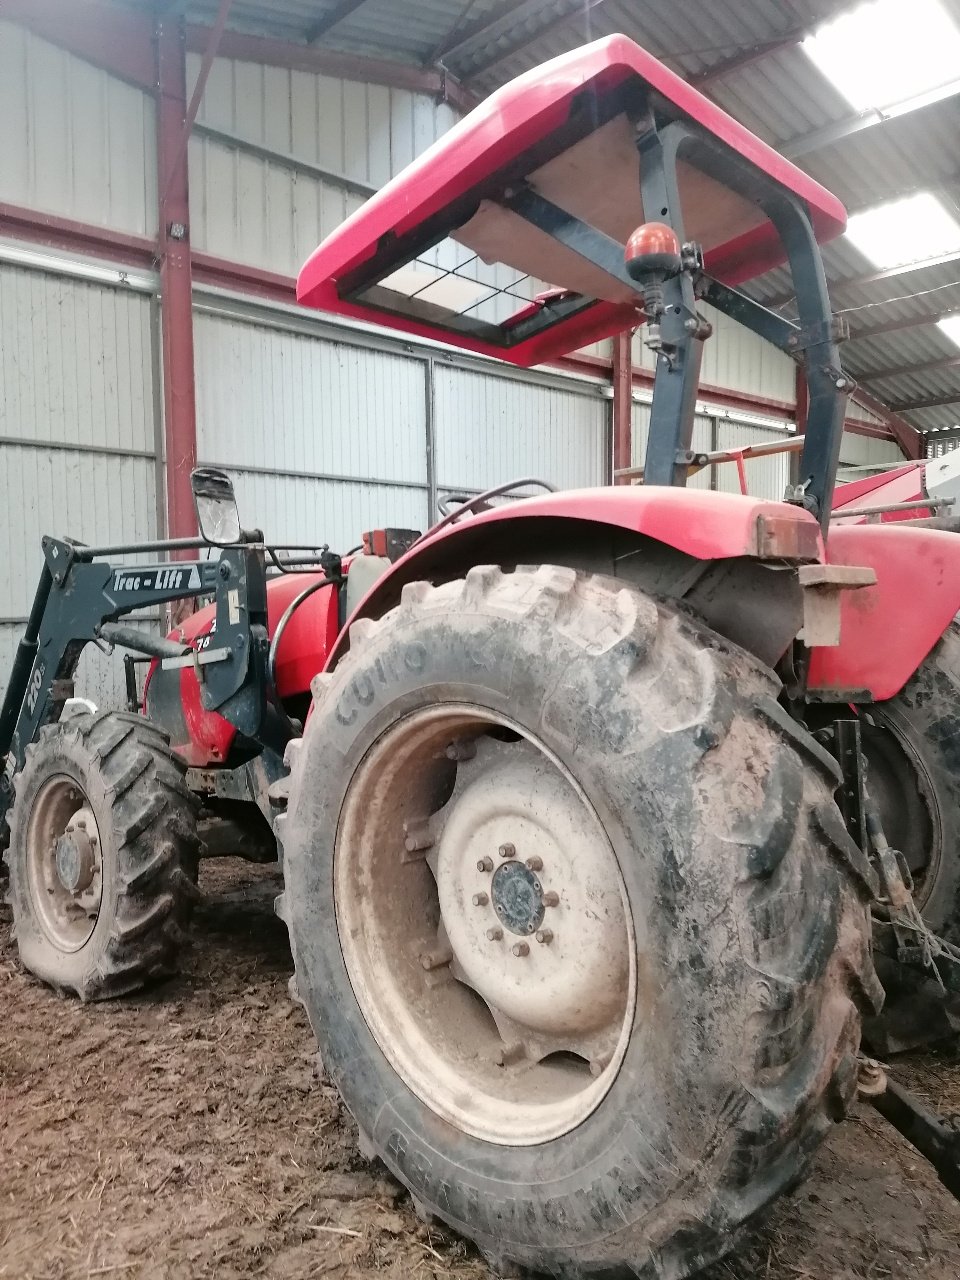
<point x="118" y="768"/>
<point x="912" y="743"/>
<point x="748" y="906"/>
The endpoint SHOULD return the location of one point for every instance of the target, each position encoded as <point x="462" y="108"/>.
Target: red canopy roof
<point x="525" y="129"/>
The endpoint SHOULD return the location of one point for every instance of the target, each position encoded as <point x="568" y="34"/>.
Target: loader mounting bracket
<point x="77" y="602"/>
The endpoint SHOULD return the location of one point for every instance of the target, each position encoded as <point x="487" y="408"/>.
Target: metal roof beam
<point x="873" y="277"/>
<point x="804" y="143"/>
<point x="544" y="28"/>
<point x="747" y="57"/>
<point x="348" y="66"/>
<point x="905" y="433"/>
<point x="926" y="402"/>
<point x="463" y="34"/>
<point x="329" y="20"/>
<point x="765" y="48"/>
<point x="895" y="371"/>
<point x="896" y="326"/>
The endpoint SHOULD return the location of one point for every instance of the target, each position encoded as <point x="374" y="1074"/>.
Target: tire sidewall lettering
<point x="380" y="675"/>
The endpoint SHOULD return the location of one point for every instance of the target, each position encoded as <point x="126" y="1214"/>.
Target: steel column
<point x="176" y="284"/>
<point x="206" y="62"/>
<point x="622" y="378"/>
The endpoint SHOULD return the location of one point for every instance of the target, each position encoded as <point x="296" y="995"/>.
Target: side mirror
<point x="217" y="515"/>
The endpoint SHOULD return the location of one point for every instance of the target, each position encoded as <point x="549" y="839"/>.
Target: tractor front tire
<point x="102" y="857"/>
<point x="575" y="920"/>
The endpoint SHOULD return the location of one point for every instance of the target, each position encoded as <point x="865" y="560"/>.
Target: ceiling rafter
<point x="817" y="139"/>
<point x="896" y="370"/>
<point x="327" y="21"/>
<point x="464" y="33"/>
<point x="555" y="21"/>
<point x="898" y="326"/>
<point x="844" y="283"/>
<point x="926" y="402"/>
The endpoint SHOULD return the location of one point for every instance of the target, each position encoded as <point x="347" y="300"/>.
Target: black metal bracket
<point x="846" y="748"/>
<point x="753" y="315"/>
<point x="937" y="1140"/>
<point x="78" y="594"/>
<point x="584" y="240"/>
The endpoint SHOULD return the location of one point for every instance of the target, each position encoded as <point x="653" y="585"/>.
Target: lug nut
<point x="521" y="948"/>
<point x="551" y="899"/>
<point x="545" y="936"/>
<point x="485" y="864"/>
<point x="495" y="934"/>
<point x="435" y="959"/>
<point x="508" y="850"/>
<point x="480" y="899"/>
<point x="535" y="864"/>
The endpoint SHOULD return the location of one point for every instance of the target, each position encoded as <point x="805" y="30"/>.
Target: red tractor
<point x="593" y="808"/>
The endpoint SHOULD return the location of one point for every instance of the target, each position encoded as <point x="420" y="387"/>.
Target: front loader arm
<point x="78" y="600"/>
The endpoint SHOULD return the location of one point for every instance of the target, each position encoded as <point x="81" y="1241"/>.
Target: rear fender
<point x="725" y="555"/>
<point x="889" y="628"/>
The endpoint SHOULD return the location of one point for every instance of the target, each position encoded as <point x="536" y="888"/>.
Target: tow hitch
<point x="937" y="1140"/>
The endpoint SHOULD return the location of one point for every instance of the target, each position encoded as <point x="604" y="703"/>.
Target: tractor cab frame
<point x="614" y="118"/>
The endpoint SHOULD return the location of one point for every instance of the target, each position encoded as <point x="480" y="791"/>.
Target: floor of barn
<point x="184" y="1134"/>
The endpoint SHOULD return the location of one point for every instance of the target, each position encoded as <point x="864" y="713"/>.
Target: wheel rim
<point x="484" y="925"/>
<point x="906" y="799"/>
<point x="64" y="863"/>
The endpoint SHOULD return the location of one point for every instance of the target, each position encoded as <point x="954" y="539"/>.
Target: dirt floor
<point x="184" y="1134"/>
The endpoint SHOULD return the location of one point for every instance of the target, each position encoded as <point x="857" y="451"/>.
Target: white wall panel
<point x="767" y="477"/>
<point x="302" y="509"/>
<point x="258" y="211"/>
<point x="270" y="398"/>
<point x="856" y="450"/>
<point x="77" y="434"/>
<point x="701" y="441"/>
<point x="736" y="359"/>
<point x="76" y="141"/>
<point x="75" y="362"/>
<point x="491" y="428"/>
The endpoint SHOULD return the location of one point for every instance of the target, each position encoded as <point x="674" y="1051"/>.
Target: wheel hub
<point x="565" y="887"/>
<point x="65" y="870"/>
<point x="518" y="898"/>
<point x="76" y="854"/>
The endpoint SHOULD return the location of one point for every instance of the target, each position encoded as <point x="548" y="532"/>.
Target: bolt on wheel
<point x="64" y="863"/>
<point x="484" y="925"/>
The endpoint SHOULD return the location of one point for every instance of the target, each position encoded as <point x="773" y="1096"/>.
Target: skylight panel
<point x="887" y="52"/>
<point x="951" y="327"/>
<point x="913" y="229"/>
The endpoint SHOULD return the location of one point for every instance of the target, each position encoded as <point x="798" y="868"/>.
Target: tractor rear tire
<point x="912" y="747"/>
<point x="690" y="882"/>
<point x="103" y="855"/>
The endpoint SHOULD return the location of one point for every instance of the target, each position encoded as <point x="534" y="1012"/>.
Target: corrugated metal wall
<point x="766" y="477"/>
<point x="76" y="141"/>
<point x="493" y="426"/>
<point x="251" y="209"/>
<point x="77" y="432"/>
<point x="330" y="434"/>
<point x="325" y="438"/>
<point x="735" y="359"/>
